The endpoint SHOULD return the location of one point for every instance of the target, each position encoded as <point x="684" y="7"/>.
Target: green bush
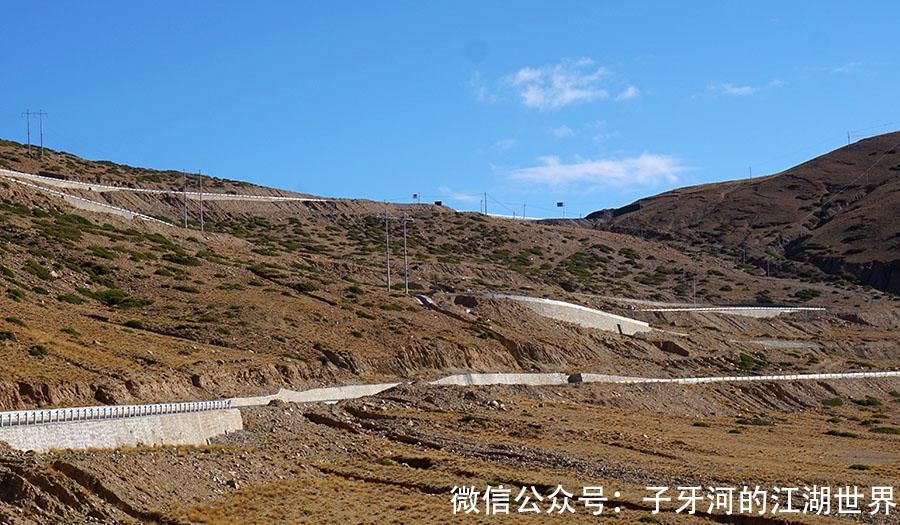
<point x="183" y="260"/>
<point x="840" y="433"/>
<point x="70" y="298"/>
<point x="35" y="268"/>
<point x="833" y="402"/>
<point x="134" y="323"/>
<point x="113" y="297"/>
<point x="755" y="421"/>
<point x="305" y="287"/>
<point x="38" y="351"/>
<point x="869" y="401"/>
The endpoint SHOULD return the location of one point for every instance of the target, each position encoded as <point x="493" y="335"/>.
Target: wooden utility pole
<point x="202" y="225"/>
<point x="27" y="116"/>
<point x="40" y="113"/>
<point x="184" y="196"/>
<point x="405" y="258"/>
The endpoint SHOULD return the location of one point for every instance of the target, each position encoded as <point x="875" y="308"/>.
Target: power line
<point x="861" y="175"/>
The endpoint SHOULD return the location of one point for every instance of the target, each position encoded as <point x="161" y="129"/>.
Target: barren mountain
<point x="99" y="307"/>
<point x="835" y="214"/>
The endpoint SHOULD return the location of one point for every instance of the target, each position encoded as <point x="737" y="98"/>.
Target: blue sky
<point x="591" y="103"/>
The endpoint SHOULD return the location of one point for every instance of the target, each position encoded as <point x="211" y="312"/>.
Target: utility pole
<point x="848" y="138"/>
<point x="751" y="172"/>
<point x="387" y="248"/>
<point x="40" y="113"/>
<point x="184" y="196"/>
<point x="485" y="203"/>
<point x="523" y="211"/>
<point x="405" y="258"/>
<point x="694" y="292"/>
<point x="27" y="116"/>
<point x="202" y="226"/>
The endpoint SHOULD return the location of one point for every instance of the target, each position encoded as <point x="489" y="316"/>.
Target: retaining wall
<point x="503" y="379"/>
<point x="193" y="428"/>
<point x="746" y="311"/>
<point x="601" y="378"/>
<point x="194" y="423"/>
<point x="580" y="315"/>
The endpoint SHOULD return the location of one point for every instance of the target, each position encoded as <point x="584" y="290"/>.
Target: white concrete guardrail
<point x="580" y="315"/>
<point x="101" y="188"/>
<point x="97" y="413"/>
<point x="92" y="205"/>
<point x="747" y="311"/>
<point x="601" y="378"/>
<point x="503" y="379"/>
<point x="316" y="395"/>
<point x="194" y="423"/>
<point x="339" y="393"/>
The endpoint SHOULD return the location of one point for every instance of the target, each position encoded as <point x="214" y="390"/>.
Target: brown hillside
<point x="835" y="214"/>
<point x="95" y="307"/>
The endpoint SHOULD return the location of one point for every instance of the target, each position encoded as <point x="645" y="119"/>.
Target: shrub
<point x="35" y="268"/>
<point x="71" y="331"/>
<point x="103" y="253"/>
<point x="187" y="289"/>
<point x="305" y="287"/>
<point x="70" y="298"/>
<point x="184" y="260"/>
<point x="833" y="402"/>
<point x="755" y="361"/>
<point x="840" y="433"/>
<point x="113" y="297"/>
<point x="134" y="323"/>
<point x="38" y="351"/>
<point x="755" y="421"/>
<point x="869" y="401"/>
<point x="806" y="294"/>
<point x="6" y="335"/>
<point x="885" y="430"/>
<point x="16" y="321"/>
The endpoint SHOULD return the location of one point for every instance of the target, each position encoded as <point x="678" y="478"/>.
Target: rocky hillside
<point x="95" y="307"/>
<point x="834" y="215"/>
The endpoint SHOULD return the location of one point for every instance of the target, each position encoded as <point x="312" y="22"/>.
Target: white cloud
<point x="843" y="69"/>
<point x="646" y="169"/>
<point x="480" y="90"/>
<point x="629" y="93"/>
<point x="558" y="85"/>
<point x="727" y="88"/>
<point x="458" y="196"/>
<point x="505" y="144"/>
<point x="562" y="132"/>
